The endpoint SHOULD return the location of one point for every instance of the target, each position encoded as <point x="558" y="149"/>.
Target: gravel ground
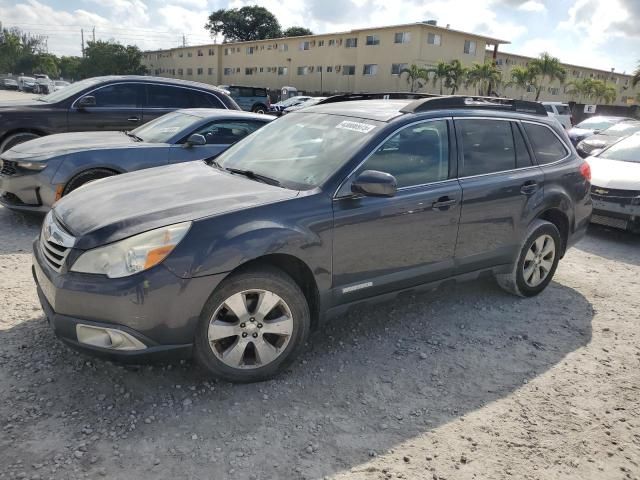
<point x="462" y="382"/>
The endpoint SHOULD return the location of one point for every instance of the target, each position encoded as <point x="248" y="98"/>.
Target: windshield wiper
<point x="129" y="133"/>
<point x="255" y="176"/>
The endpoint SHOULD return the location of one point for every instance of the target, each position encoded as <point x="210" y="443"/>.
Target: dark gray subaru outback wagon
<point x="359" y="198"/>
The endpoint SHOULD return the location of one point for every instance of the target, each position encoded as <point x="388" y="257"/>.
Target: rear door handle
<point x="529" y="187"/>
<point x="443" y="202"/>
<point x="133" y="119"/>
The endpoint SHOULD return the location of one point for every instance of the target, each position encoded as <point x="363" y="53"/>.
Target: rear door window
<point x="547" y="147"/>
<point x="487" y="146"/>
<point x="122" y="95"/>
<point x="163" y="96"/>
<point x="204" y="100"/>
<point x="523" y="158"/>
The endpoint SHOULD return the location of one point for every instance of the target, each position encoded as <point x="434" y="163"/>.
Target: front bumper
<point x="156" y="307"/>
<point x="28" y="192"/>
<point x="624" y="216"/>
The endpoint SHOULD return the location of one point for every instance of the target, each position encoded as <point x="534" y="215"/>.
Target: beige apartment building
<point x="556" y="92"/>
<point x="356" y="61"/>
<point x="361" y="60"/>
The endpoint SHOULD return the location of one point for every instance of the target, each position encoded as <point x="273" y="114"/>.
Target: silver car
<point x="34" y="174"/>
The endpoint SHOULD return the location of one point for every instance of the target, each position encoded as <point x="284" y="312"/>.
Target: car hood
<point x="579" y="132"/>
<point x="118" y="207"/>
<point x="30" y="102"/>
<point x="616" y="174"/>
<point x="62" y="143"/>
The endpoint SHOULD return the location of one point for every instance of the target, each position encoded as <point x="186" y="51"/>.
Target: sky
<point x="595" y="33"/>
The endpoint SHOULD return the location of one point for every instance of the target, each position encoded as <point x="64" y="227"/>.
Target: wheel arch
<point x="561" y="221"/>
<point x="76" y="174"/>
<point x="35" y="131"/>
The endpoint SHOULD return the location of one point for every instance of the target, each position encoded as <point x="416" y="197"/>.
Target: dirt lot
<point x="463" y="382"/>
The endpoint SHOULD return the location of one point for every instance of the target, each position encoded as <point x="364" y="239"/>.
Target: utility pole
<point x="184" y="40"/>
<point x="82" y="36"/>
<point x="94" y="34"/>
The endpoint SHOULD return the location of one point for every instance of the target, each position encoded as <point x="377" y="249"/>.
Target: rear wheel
<point x="17" y="138"/>
<point x="537" y="262"/>
<point x="259" y="108"/>
<point x="86" y="177"/>
<point x="253" y="325"/>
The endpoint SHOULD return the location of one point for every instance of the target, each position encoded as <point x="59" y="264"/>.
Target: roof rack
<point x="474" y="102"/>
<point x="349" y="97"/>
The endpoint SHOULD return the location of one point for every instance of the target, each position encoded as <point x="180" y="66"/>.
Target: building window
<point x="283" y="70"/>
<point x="370" y="69"/>
<point x="211" y="52"/>
<point x="351" y="42"/>
<point x="554" y="90"/>
<point x="238" y="70"/>
<point x="189" y="72"/>
<point x="402" y="37"/>
<point x="348" y="70"/>
<point x="200" y="71"/>
<point x="210" y="71"/>
<point x="396" y="68"/>
<point x="373" y="40"/>
<point x="180" y="72"/>
<point x="250" y="50"/>
<point x="228" y="71"/>
<point x="499" y="61"/>
<point x="226" y="51"/>
<point x="434" y="39"/>
<point x="200" y="54"/>
<point x="181" y="54"/>
<point x="332" y="42"/>
<point x="284" y="47"/>
<point x="248" y="71"/>
<point x="261" y="69"/>
<point x="305" y="45"/>
<point x="189" y="54"/>
<point x="329" y="69"/>
<point x="302" y="70"/>
<point x="321" y="43"/>
<point x="470" y="47"/>
<point x="531" y="89"/>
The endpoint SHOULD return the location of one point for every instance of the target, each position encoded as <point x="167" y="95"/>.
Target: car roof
<point x="554" y="103"/>
<point x="221" y="112"/>
<point x="150" y="79"/>
<point x="608" y="117"/>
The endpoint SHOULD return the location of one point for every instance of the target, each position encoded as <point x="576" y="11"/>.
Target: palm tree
<point x="602" y="92"/>
<point x="482" y="75"/>
<point x="416" y="76"/>
<point x="521" y="78"/>
<point x="580" y="89"/>
<point x="455" y="76"/>
<point x="636" y="76"/>
<point x="549" y="67"/>
<point x="440" y="73"/>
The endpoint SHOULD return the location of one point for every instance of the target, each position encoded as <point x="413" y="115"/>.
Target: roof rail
<point x="474" y="102"/>
<point x="348" y="97"/>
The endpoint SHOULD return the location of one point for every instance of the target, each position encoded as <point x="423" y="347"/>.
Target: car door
<point x="219" y="134"/>
<point x="382" y="244"/>
<point x="501" y="187"/>
<point x="162" y="99"/>
<point x="118" y="106"/>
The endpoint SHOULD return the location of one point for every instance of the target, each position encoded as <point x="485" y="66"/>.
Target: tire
<point x="85" y="177"/>
<point x="243" y="362"/>
<point x="542" y="237"/>
<point x="259" y="108"/>
<point x="13" y="140"/>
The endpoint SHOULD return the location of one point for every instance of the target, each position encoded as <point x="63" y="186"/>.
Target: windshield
<point x="627" y="150"/>
<point x="596" y="123"/>
<point x="293" y="101"/>
<point x="162" y="129"/>
<point x="623" y="128"/>
<point x="300" y="150"/>
<point x="69" y="91"/>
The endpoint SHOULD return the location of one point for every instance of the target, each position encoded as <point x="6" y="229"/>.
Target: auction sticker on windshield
<point x="356" y="126"/>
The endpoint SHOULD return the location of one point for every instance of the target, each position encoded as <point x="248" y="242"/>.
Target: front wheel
<point x="536" y="263"/>
<point x="86" y="177"/>
<point x="253" y="325"/>
<point x="259" y="109"/>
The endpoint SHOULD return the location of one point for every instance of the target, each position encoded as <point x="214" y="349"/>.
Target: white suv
<point x="561" y="111"/>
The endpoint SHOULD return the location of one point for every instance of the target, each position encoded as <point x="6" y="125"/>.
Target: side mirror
<point x="373" y="183"/>
<point x="595" y="152"/>
<point x="195" y="139"/>
<point x="87" y="101"/>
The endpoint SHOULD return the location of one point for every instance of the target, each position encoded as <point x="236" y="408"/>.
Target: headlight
<point x="133" y="254"/>
<point x="32" y="165"/>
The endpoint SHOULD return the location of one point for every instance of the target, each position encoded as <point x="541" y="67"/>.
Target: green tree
<point x="456" y="75"/>
<point x="244" y="24"/>
<point x="439" y="73"/>
<point x="581" y="89"/>
<point x="521" y="78"/>
<point x="546" y="67"/>
<point x="70" y="67"/>
<point x="296" y="32"/>
<point x="416" y="76"/>
<point x="603" y="92"/>
<point x="111" y="58"/>
<point x="18" y="48"/>
<point x="482" y="75"/>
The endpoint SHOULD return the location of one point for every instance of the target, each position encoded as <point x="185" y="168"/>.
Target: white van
<point x="561" y="111"/>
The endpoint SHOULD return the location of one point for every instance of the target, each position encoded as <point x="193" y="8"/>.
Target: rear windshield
<point x="301" y="150"/>
<point x="627" y="150"/>
<point x="563" y="109"/>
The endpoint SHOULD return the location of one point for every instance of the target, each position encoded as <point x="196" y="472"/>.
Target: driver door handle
<point x="133" y="119"/>
<point x="443" y="202"/>
<point x="529" y="187"/>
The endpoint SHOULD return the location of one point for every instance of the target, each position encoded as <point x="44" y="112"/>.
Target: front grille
<point x="623" y="197"/>
<point x="55" y="243"/>
<point x="8" y="168"/>
<point x="607" y="221"/>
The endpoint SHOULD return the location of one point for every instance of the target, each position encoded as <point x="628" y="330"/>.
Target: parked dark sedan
<point x="606" y="137"/>
<point x="593" y="125"/>
<point x="36" y="173"/>
<point x="104" y="103"/>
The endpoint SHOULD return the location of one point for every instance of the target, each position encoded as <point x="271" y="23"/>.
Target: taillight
<point x="585" y="171"/>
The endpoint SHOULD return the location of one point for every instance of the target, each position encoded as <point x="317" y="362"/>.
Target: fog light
<point x="107" y="338"/>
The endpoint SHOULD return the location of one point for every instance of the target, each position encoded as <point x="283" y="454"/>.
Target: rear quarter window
<point x="547" y="147"/>
<point x="563" y="110"/>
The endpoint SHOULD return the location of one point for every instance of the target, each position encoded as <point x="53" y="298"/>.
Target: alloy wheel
<point x="538" y="261"/>
<point x="250" y="329"/>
